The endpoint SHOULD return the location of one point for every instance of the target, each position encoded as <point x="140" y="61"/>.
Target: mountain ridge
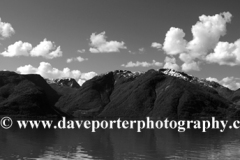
<point x="26" y="95"/>
<point x="162" y="93"/>
<point x="122" y="81"/>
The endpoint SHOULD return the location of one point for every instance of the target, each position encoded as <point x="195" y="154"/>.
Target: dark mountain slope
<point x="134" y="98"/>
<point x="26" y="95"/>
<point x="92" y="97"/>
<point x="187" y="100"/>
<point x="231" y="95"/>
<point x="51" y="94"/>
<point x="62" y="90"/>
<point x="235" y="97"/>
<point x="165" y="96"/>
<point x="158" y="94"/>
<point x="223" y="91"/>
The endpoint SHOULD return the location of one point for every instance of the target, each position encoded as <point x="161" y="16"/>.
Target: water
<point x="115" y="144"/>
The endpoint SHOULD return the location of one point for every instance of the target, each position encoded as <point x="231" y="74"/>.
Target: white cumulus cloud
<point x="47" y="71"/>
<point x="6" y="29"/>
<point x="81" y="51"/>
<point x="229" y="82"/>
<point x="17" y="49"/>
<point x="226" y="54"/>
<point x="174" y="42"/>
<point x="189" y="63"/>
<point x="69" y="60"/>
<point x="207" y="32"/>
<point x="206" y="35"/>
<point x="142" y="64"/>
<point x="190" y="66"/>
<point x="79" y="59"/>
<point x="170" y="62"/>
<point x="46" y="49"/>
<point x="141" y="50"/>
<point x="156" y="45"/>
<point x="86" y="76"/>
<point x="99" y="44"/>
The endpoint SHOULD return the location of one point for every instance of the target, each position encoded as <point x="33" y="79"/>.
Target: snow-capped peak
<point x="187" y="77"/>
<point x="70" y="82"/>
<point x="127" y="74"/>
<point x="172" y="72"/>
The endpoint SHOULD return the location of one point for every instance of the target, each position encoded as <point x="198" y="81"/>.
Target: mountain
<point x="235" y="97"/>
<point x="162" y="93"/>
<point x="155" y="93"/>
<point x="67" y="82"/>
<point x="26" y="95"/>
<point x="225" y="92"/>
<point x="63" y="86"/>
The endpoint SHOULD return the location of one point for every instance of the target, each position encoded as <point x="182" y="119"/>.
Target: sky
<point x="83" y="38"/>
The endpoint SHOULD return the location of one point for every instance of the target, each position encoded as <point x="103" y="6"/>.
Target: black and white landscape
<point x="163" y="93"/>
<point x="73" y="61"/>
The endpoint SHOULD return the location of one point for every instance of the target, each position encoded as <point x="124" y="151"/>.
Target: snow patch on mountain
<point x="191" y="78"/>
<point x="172" y="72"/>
<point x="70" y="82"/>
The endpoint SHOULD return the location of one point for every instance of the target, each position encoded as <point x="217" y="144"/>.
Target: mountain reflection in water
<point x="114" y="144"/>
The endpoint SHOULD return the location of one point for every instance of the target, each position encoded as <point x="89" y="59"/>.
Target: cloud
<point x="132" y="52"/>
<point x="47" y="71"/>
<point x="190" y="66"/>
<point x="86" y="76"/>
<point x="81" y="51"/>
<point x="101" y="45"/>
<point x="206" y="34"/>
<point x="141" y="50"/>
<point x="6" y="29"/>
<point x="69" y="60"/>
<point x="142" y="64"/>
<point x="17" y="49"/>
<point x="156" y="45"/>
<point x="81" y="81"/>
<point x="170" y="62"/>
<point x="174" y="42"/>
<point x="226" y="54"/>
<point x="46" y="49"/>
<point x="229" y="82"/>
<point x="79" y="59"/>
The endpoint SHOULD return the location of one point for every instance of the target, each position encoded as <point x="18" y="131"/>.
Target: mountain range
<point x="163" y="93"/>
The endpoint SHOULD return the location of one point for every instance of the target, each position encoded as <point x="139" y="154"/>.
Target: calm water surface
<point x="115" y="144"/>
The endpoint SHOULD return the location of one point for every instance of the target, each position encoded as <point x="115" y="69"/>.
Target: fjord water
<point x="117" y="144"/>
